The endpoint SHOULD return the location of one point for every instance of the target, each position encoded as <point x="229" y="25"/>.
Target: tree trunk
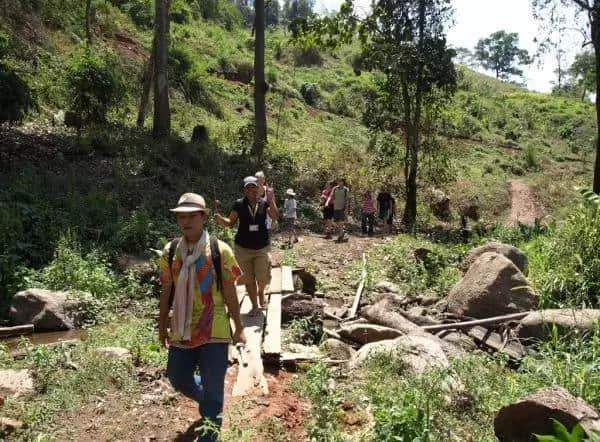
<point x="260" y="86"/>
<point x="88" y="21"/>
<point x="595" y="27"/>
<point x="410" y="209"/>
<point x="162" y="111"/>
<point x="148" y="83"/>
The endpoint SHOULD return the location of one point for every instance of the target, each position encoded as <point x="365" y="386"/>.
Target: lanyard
<point x="253" y="212"/>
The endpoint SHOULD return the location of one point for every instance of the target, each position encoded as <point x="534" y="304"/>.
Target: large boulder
<point x="45" y="309"/>
<point x="533" y="414"/>
<point x="115" y="352"/>
<point x="366" y="333"/>
<point x="386" y="287"/>
<point x="337" y="349"/>
<point x="515" y="255"/>
<point x="539" y="324"/>
<point x="16" y="382"/>
<point x="492" y="286"/>
<point x="418" y="352"/>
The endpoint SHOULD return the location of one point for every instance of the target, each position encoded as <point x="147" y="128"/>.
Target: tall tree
<point x="500" y="53"/>
<point x="589" y="12"/>
<point x="405" y="41"/>
<point x="260" y="85"/>
<point x="162" y="110"/>
<point x="88" y="21"/>
<point x="272" y="13"/>
<point x="583" y="73"/>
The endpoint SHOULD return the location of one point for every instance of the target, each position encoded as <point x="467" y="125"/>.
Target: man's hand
<point x="239" y="336"/>
<point x="163" y="337"/>
<point x="270" y="194"/>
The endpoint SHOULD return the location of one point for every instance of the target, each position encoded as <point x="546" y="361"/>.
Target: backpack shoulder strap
<point x="172" y="248"/>
<point x="215" y="255"/>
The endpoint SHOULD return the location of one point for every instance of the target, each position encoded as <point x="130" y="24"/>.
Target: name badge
<point x="254" y="227"/>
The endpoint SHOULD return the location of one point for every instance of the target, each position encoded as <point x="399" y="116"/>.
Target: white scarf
<point x="183" y="300"/>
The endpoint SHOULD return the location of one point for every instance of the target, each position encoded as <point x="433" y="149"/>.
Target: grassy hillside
<point x="111" y="181"/>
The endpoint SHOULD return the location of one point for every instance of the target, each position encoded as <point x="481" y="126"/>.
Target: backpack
<point x="215" y="255"/>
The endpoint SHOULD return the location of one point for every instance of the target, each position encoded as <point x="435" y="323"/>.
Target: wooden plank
<point x="250" y="378"/>
<point x="493" y="340"/>
<point x="275" y="285"/>
<point x="468" y="324"/>
<point x="287" y="280"/>
<point x="360" y="288"/>
<point x="17" y="330"/>
<point x="272" y="339"/>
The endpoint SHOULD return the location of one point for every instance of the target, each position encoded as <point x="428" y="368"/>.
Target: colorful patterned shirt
<point x="210" y="322"/>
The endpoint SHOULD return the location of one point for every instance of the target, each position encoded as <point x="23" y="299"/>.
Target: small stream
<point x="45" y="338"/>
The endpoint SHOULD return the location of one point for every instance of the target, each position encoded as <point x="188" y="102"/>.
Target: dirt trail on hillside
<point x="524" y="204"/>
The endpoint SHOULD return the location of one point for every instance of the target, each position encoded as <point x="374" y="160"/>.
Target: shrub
<point x="4" y="44"/>
<point x="340" y="103"/>
<point x="310" y="93"/>
<point x="530" y="156"/>
<point x="16" y="98"/>
<point x="95" y="84"/>
<point x="308" y="57"/>
<point x="565" y="266"/>
<point x="306" y="331"/>
<point x="136" y="233"/>
<point x="180" y="12"/>
<point x="142" y="13"/>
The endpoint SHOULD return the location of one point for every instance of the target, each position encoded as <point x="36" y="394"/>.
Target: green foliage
<point x="16" y="98"/>
<point x="306" y="331"/>
<point x="95" y="84"/>
<point x="436" y="273"/>
<point x="530" y="156"/>
<point x="565" y="266"/>
<point x="310" y="93"/>
<point x="500" y="52"/>
<point x="324" y="425"/>
<point x="308" y="56"/>
<point x="561" y="434"/>
<point x="141" y="12"/>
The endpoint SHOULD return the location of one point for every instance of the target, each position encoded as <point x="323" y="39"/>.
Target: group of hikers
<point x="335" y="201"/>
<point x="199" y="273"/>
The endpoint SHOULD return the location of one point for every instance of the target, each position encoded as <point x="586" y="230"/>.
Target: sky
<point x="475" y="19"/>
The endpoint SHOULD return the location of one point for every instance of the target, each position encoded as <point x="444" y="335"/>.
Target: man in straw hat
<point x="252" y="243"/>
<point x="198" y="273"/>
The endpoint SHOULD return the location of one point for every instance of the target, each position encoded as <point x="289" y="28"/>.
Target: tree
<point x="583" y="73"/>
<point x="464" y="56"/>
<point x="260" y="85"/>
<point x="88" y="21"/>
<point x="162" y="111"/>
<point x="272" y="13"/>
<point x="589" y="12"/>
<point x="405" y="41"/>
<point x="500" y="53"/>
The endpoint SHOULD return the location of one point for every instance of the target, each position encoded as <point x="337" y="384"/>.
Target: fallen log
<point x="360" y="288"/>
<point x="17" y="330"/>
<point x="494" y="341"/>
<point x="468" y="324"/>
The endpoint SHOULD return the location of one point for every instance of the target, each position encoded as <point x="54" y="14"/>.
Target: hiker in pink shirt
<point x="368" y="213"/>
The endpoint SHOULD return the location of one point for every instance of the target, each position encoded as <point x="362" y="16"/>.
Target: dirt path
<point x="524" y="206"/>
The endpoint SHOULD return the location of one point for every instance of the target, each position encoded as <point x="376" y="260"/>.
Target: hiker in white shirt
<point x="289" y="215"/>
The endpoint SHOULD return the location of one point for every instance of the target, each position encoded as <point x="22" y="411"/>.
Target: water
<point x="45" y="338"/>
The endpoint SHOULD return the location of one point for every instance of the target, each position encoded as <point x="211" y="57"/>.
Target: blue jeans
<point x="209" y="388"/>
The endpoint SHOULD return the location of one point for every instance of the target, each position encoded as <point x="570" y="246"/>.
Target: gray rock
<point x="517" y="256"/>
<point x="382" y="313"/>
<point x="492" y="286"/>
<point x="386" y="287"/>
<point x="337" y="349"/>
<point x="45" y="309"/>
<point x="532" y="415"/>
<point x="539" y="324"/>
<point x="459" y="340"/>
<point x="114" y="352"/>
<point x="16" y="382"/>
<point x="366" y="333"/>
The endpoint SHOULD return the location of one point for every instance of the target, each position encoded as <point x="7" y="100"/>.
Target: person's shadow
<point x="192" y="434"/>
